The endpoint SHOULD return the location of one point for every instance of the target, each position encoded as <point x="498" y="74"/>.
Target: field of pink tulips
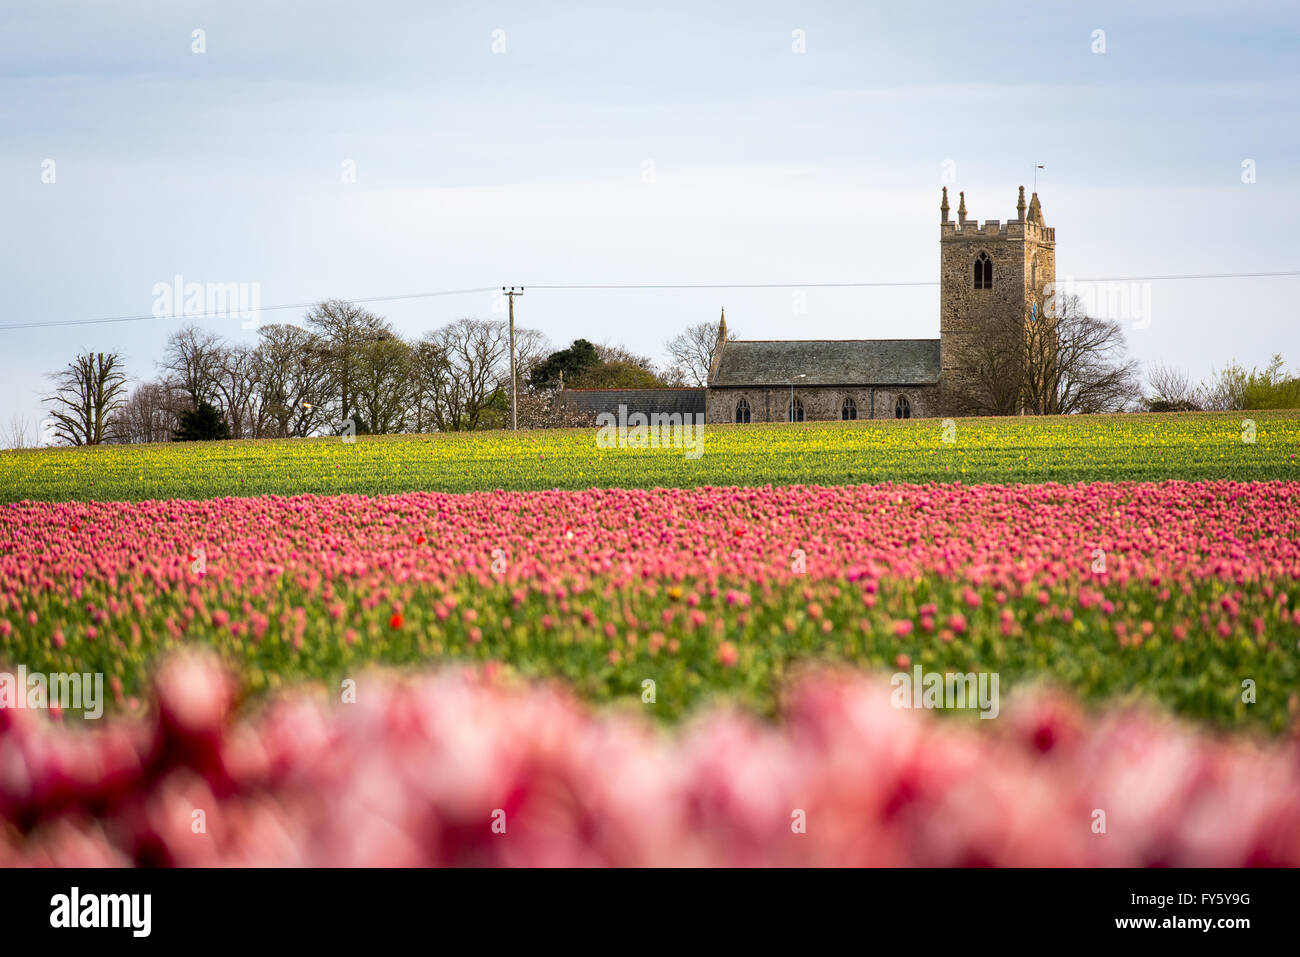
<point x="1183" y="594"/>
<point x="458" y="769"/>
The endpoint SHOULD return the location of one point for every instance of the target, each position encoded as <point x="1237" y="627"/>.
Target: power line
<point x="42" y="324"/>
<point x="729" y="285"/>
<point x="930" y="282"/>
<point x="1204" y="275"/>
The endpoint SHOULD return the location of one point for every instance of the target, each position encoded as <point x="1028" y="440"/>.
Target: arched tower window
<point x="902" y="408"/>
<point x="849" y="410"/>
<point x="742" y="411"/>
<point x="983" y="271"/>
<point x="796" y="410"/>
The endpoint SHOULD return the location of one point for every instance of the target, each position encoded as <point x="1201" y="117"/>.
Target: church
<point x="986" y="271"/>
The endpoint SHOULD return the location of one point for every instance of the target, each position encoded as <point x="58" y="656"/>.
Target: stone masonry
<point x="1023" y="253"/>
<point x="1016" y="263"/>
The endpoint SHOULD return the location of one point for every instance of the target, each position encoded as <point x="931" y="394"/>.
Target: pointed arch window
<point x="902" y="408"/>
<point x="983" y="271"/>
<point x="742" y="411"/>
<point x="849" y="410"/>
<point x="796" y="410"/>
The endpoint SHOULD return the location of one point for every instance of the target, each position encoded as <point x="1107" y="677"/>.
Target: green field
<point x="1140" y="447"/>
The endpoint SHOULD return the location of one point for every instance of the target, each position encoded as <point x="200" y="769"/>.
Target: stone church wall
<point x="819" y="404"/>
<point x="1023" y="252"/>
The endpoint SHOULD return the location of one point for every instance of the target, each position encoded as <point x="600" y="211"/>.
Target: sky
<point x="317" y="149"/>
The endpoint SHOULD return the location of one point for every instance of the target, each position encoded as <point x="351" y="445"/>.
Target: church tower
<point x="989" y="271"/>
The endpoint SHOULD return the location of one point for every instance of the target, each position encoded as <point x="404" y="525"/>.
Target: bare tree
<point x="19" y="432"/>
<point x="150" y="414"/>
<point x="342" y="328"/>
<point x="1074" y="363"/>
<point x="85" y="396"/>
<point x="463" y="367"/>
<point x="456" y="371"/>
<point x="531" y="347"/>
<point x="427" y="369"/>
<point x="991" y="374"/>
<point x="237" y="392"/>
<point x="692" y="352"/>
<point x="193" y="359"/>
<point x="1060" y="363"/>
<point x="382" y="384"/>
<point x="292" y="382"/>
<point x="1173" y="390"/>
<point x="475" y="364"/>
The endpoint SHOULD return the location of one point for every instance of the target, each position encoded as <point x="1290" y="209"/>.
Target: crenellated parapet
<point x="996" y="229"/>
<point x="989" y="273"/>
<point x="1028" y="224"/>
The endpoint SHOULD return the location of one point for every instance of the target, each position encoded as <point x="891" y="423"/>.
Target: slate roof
<point x="827" y="362"/>
<point x="648" y="401"/>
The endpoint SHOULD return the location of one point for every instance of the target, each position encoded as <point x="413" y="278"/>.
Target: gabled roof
<point x="825" y="362"/>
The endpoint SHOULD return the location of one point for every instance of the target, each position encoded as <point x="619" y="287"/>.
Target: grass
<point x="1139" y="447"/>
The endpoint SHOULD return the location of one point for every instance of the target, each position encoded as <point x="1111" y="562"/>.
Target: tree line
<point x="346" y="369"/>
<point x="1061" y="363"/>
<point x="1231" y="388"/>
<point x="343" y="369"/>
<point x="1067" y="361"/>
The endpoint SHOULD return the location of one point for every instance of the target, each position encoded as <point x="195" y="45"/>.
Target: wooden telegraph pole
<point x="514" y="384"/>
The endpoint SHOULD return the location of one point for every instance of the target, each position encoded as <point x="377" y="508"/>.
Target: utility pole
<point x="514" y="384"/>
